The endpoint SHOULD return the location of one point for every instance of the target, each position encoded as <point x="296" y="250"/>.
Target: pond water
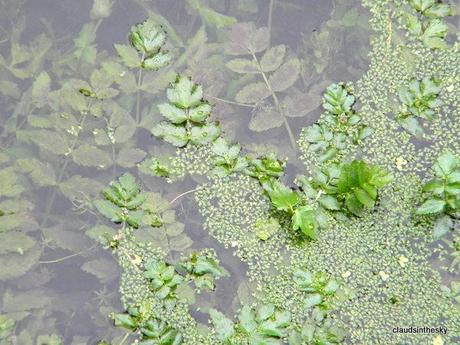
<point x="75" y="116"/>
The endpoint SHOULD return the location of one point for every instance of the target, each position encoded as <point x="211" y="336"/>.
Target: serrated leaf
<point x="252" y="93"/>
<point x="265" y="119"/>
<point x="246" y="39"/>
<point x="91" y="156"/>
<point x="203" y="135"/>
<point x="273" y="58"/>
<point x="431" y="206"/>
<point x="243" y="66"/>
<point x="41" y="173"/>
<point x="224" y="326"/>
<point x="285" y="76"/>
<point x="130" y="157"/>
<point x="104" y="269"/>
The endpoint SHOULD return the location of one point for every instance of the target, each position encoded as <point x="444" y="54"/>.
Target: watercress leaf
<point x="438" y="10"/>
<point x="247" y="319"/>
<point x="128" y="55"/>
<point x="282" y="197"/>
<point x="243" y="66"/>
<point x="214" y="18"/>
<point x="442" y="226"/>
<point x="312" y="300"/>
<point x="205" y="265"/>
<point x="41" y="88"/>
<point x="329" y="202"/>
<point x="446" y="164"/>
<point x="172" y="113"/>
<point x="273" y="58"/>
<point x="124" y="320"/>
<point x="252" y="93"/>
<point x="434" y="186"/>
<point x="184" y="93"/>
<point x="354" y="205"/>
<point x="364" y="198"/>
<point x="147" y="37"/>
<point x="265" y="119"/>
<point x="157" y="61"/>
<point x="431" y="206"/>
<point x="413" y="24"/>
<point x="411" y="124"/>
<point x="203" y="135"/>
<point x="434" y="34"/>
<point x="175" y="135"/>
<point x="264" y="312"/>
<point x="200" y="113"/>
<point x="224" y="326"/>
<point x="304" y="218"/>
<point x="303" y="279"/>
<point x="41" y="173"/>
<point x="109" y="210"/>
<point x="285" y="76"/>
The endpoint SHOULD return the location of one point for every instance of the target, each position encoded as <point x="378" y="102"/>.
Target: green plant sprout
<point x="187" y="116"/>
<point x="265" y="324"/>
<point x="419" y="99"/>
<point x="442" y="200"/>
<point x="427" y="23"/>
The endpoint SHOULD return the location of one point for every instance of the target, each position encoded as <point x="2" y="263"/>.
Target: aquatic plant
<point x="442" y="194"/>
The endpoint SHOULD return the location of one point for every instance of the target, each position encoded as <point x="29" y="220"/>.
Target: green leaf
<point x="157" y="61"/>
<point x="364" y="198"/>
<point x="329" y="202"/>
<point x="431" y="206"/>
<point x="184" y="93"/>
<point x="434" y="34"/>
<point x="203" y="135"/>
<point x="173" y="114"/>
<point x="446" y="164"/>
<point x="109" y="210"/>
<point x="304" y="218"/>
<point x="175" y="135"/>
<point x="224" y="326"/>
<point x="41" y="88"/>
<point x="282" y="197"/>
<point x="312" y="300"/>
<point x="128" y="55"/>
<point x="273" y="58"/>
<point x="147" y="37"/>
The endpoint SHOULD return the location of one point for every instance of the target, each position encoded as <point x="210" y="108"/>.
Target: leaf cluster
<point x="427" y="23"/>
<point x="146" y="51"/>
<point x="265" y="324"/>
<point x="123" y="201"/>
<point x="443" y="194"/>
<point x="163" y="279"/>
<point x="227" y="158"/>
<point x="338" y="127"/>
<point x="420" y="99"/>
<point x="350" y="188"/>
<point x="153" y="331"/>
<point x="187" y="116"/>
<point x="203" y="268"/>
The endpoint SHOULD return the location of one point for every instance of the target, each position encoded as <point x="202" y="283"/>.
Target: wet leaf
<point x="243" y="66"/>
<point x="104" y="269"/>
<point x="273" y="58"/>
<point x="246" y="39"/>
<point x="252" y="93"/>
<point x="128" y="55"/>
<point x="285" y="76"/>
<point x="266" y="119"/>
<point x="130" y="157"/>
<point x="91" y="156"/>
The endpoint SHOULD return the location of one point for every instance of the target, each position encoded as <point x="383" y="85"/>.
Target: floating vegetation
<point x="298" y="184"/>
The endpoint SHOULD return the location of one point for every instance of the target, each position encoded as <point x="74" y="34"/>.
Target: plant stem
<point x="61" y="175"/>
<point x="181" y="195"/>
<point x="231" y="102"/>
<point x="124" y="339"/>
<point x="67" y="257"/>
<point x="276" y="101"/>
<point x="138" y="96"/>
<point x="269" y="23"/>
